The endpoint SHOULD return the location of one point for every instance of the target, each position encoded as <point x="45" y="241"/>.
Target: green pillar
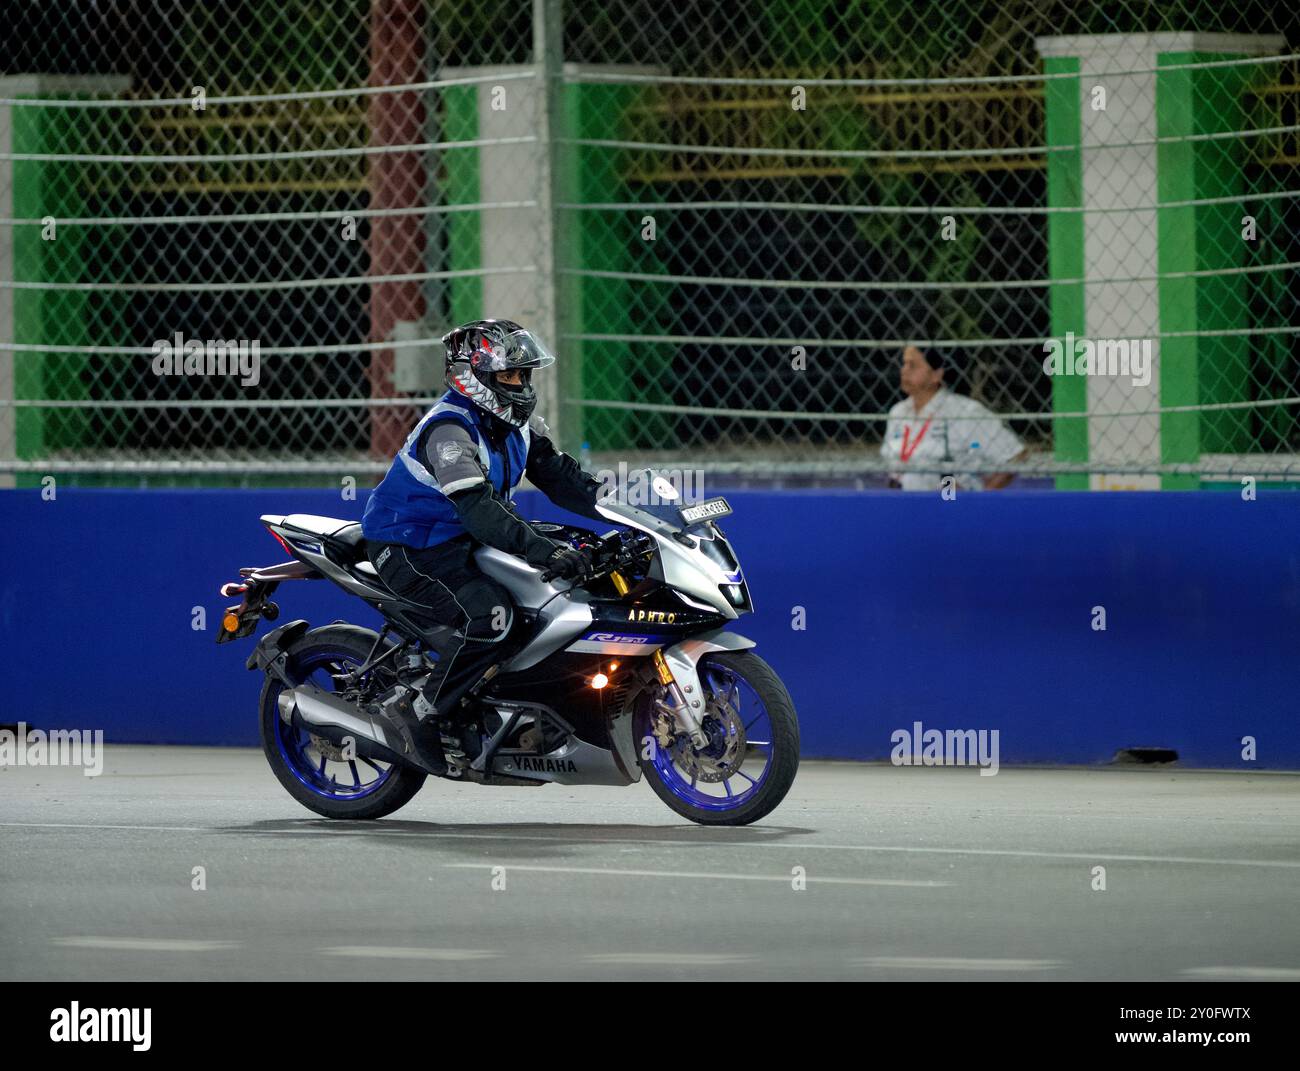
<point x="1066" y="257"/>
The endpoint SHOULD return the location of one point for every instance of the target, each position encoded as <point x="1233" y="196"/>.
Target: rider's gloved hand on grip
<point x="568" y="564"/>
<point x="539" y="551"/>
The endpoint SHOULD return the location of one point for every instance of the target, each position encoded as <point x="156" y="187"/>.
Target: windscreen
<point x="648" y="498"/>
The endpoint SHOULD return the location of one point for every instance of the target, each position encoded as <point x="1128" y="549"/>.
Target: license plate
<point x="705" y="511"/>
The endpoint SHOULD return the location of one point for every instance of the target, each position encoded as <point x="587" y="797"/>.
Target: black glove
<point x="566" y="563"/>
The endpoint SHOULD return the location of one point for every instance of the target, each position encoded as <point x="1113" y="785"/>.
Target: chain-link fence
<point x="233" y="233"/>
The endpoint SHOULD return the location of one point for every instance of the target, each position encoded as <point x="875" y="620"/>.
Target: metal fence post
<point x="548" y="57"/>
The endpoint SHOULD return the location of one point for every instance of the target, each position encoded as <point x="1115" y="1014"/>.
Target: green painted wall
<point x="1201" y="238"/>
<point x="74" y="255"/>
<point x="611" y="241"/>
<point x="461" y="187"/>
<point x="1065" y="257"/>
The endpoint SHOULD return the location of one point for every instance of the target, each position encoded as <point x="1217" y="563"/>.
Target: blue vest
<point x="409" y="507"/>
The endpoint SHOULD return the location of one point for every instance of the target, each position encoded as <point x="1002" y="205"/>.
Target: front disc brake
<point x="726" y="749"/>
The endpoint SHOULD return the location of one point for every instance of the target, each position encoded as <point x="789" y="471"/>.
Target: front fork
<point x="683" y="705"/>
<point x="678" y="670"/>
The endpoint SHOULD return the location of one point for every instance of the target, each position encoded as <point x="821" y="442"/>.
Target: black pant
<point x="445" y="580"/>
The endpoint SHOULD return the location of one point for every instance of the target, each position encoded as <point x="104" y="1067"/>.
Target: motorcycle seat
<point x="351" y="535"/>
<point x="346" y="536"/>
<point x="341" y="531"/>
<point x="347" y="547"/>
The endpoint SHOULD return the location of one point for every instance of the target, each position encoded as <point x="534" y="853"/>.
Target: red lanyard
<point x="907" y="436"/>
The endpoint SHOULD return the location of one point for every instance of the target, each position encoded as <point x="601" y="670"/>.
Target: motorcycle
<point x="629" y="673"/>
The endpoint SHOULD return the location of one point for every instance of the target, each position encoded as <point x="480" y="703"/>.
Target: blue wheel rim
<point x="726" y="685"/>
<point x="345" y="780"/>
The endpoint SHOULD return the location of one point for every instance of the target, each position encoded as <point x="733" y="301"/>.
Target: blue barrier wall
<point x="975" y="613"/>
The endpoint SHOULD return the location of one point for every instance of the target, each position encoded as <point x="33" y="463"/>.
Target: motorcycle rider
<point x="448" y="491"/>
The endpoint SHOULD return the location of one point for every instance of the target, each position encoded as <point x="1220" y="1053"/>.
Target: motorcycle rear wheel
<point x="358" y="788"/>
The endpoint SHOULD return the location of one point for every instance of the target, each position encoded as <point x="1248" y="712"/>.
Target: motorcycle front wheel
<point x="752" y="754"/>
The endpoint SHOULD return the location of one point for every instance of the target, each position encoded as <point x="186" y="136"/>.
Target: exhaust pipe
<point x="310" y="707"/>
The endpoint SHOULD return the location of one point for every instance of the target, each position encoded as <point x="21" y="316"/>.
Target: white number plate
<point x="715" y="507"/>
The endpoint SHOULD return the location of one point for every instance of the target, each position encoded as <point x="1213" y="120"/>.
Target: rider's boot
<point x="417" y="724"/>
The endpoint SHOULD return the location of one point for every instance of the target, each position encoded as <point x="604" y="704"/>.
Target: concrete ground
<point x="911" y="873"/>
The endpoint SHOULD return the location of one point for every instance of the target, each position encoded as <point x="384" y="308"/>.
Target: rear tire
<point x="784" y="722"/>
<point x="313" y="649"/>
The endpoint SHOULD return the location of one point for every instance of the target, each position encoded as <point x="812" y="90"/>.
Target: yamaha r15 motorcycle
<point x="629" y="673"/>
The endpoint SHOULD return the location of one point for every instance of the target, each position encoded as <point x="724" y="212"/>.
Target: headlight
<point x="736" y="595"/>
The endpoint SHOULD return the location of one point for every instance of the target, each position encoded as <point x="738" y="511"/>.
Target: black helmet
<point x="481" y="348"/>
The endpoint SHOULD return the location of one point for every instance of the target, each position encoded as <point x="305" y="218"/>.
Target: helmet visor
<point x="526" y="350"/>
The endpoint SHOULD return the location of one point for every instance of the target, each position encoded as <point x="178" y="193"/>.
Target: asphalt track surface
<point x="911" y="873"/>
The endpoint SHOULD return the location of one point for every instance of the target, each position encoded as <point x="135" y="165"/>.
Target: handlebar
<point x="618" y="550"/>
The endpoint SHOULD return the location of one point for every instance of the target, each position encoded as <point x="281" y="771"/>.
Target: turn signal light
<point x="230" y="622"/>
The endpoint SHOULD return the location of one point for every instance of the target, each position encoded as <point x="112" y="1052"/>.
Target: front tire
<point x="334" y="787"/>
<point x="750" y="718"/>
